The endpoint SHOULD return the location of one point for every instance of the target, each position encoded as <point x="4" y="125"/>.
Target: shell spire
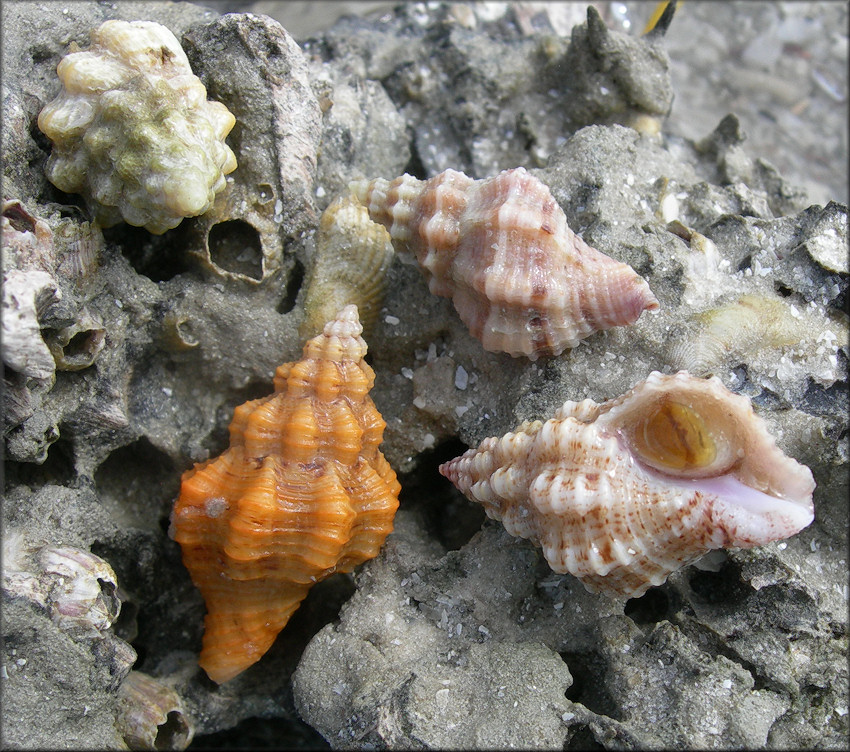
<point x="621" y="494"/>
<point x="302" y="492"/>
<point x="521" y="280"/>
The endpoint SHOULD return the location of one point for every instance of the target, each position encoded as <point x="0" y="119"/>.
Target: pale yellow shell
<point x="352" y="257"/>
<point x="621" y="494"/>
<point x="132" y="129"/>
<point x="720" y="336"/>
<point x="521" y="280"/>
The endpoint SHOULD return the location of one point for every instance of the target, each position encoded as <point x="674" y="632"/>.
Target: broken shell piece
<point x="302" y="492"/>
<point x="132" y="129"/>
<point x="25" y="295"/>
<point x="621" y="494"/>
<point x="77" y="346"/>
<point x="151" y="715"/>
<point x="352" y="257"/>
<point x="521" y="280"/>
<point x="720" y="336"/>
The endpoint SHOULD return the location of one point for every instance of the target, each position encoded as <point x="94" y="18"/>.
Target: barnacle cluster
<point x="133" y="131"/>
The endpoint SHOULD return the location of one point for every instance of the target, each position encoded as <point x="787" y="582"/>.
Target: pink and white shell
<point x="621" y="494"/>
<point x="521" y="280"/>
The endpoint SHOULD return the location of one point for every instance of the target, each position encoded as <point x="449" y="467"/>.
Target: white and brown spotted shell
<point x="623" y="493"/>
<point x="521" y="280"/>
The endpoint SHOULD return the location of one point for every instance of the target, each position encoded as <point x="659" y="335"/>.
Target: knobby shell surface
<point x="352" y="256"/>
<point x="521" y="280"/>
<point x="132" y="129"/>
<point x="623" y="493"/>
<point x="301" y="493"/>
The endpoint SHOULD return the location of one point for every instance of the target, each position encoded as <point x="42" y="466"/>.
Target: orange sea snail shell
<point x="302" y="492"/>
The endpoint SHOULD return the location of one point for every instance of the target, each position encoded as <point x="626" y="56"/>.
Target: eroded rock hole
<point x="57" y="468"/>
<point x="293" y="285"/>
<point x="588" y="671"/>
<point x="235" y="247"/>
<point x="722" y="587"/>
<point x="154" y="256"/>
<point x="414" y="165"/>
<point x="137" y="484"/>
<point x="653" y="606"/>
<point x="450" y="517"/>
<point x="582" y="737"/>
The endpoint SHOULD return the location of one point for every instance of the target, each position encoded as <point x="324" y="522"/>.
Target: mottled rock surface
<point x="125" y="354"/>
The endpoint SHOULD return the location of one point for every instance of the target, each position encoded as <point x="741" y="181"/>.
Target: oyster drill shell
<point x="132" y="129"/>
<point x="521" y="280"/>
<point x="302" y="492"/>
<point x="621" y="494"/>
<point x="352" y="257"/>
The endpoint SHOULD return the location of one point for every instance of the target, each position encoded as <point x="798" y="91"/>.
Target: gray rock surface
<point x="126" y="353"/>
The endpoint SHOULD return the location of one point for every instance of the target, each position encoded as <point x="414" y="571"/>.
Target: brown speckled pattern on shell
<point x="577" y="486"/>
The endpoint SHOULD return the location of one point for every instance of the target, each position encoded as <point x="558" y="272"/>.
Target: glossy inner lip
<point x="724" y="484"/>
<point x="732" y="491"/>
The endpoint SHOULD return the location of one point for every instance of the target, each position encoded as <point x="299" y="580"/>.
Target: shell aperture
<point x="621" y="494"/>
<point x="674" y="436"/>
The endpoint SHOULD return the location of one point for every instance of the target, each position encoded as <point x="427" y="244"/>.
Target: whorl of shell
<point x="352" y="257"/>
<point x="621" y="494"/>
<point x="521" y="280"/>
<point x="133" y="131"/>
<point x="302" y="492"/>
